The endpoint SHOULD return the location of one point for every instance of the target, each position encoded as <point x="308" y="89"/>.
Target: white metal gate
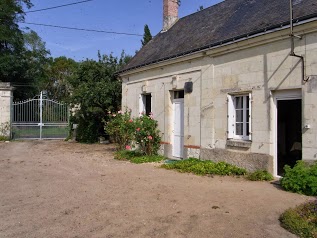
<point x="40" y="118"/>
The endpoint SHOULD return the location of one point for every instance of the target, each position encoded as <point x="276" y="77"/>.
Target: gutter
<point x="293" y="36"/>
<point x="284" y="25"/>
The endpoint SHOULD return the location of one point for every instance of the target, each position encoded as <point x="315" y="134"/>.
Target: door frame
<point x="181" y="100"/>
<point x="292" y="94"/>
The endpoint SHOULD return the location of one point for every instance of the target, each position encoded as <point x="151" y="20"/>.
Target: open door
<point x="289" y="133"/>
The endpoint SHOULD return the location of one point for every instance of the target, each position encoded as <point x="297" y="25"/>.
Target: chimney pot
<point x="170" y="13"/>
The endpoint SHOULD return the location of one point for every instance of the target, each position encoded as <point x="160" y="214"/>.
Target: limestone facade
<point x="261" y="66"/>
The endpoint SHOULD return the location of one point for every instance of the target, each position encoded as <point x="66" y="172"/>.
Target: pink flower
<point x="113" y="115"/>
<point x="120" y="112"/>
<point x="150" y="137"/>
<point x="130" y="120"/>
<point x="127" y="147"/>
<point x="138" y="129"/>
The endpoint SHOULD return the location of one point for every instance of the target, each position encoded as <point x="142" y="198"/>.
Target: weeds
<point x="202" y="167"/>
<point x="301" y="220"/>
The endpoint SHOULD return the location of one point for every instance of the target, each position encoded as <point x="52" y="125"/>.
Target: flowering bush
<point x="141" y="131"/>
<point x="147" y="135"/>
<point x="121" y="129"/>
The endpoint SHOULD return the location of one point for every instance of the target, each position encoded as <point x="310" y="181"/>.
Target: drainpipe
<point x="293" y="43"/>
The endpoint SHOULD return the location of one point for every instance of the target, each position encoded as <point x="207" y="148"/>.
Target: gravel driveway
<point x="62" y="189"/>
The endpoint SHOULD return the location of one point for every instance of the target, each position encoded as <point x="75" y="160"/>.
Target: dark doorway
<point x="148" y="104"/>
<point x="289" y="133"/>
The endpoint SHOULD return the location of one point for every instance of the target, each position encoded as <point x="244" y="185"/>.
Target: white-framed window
<point x="239" y="116"/>
<point x="145" y="104"/>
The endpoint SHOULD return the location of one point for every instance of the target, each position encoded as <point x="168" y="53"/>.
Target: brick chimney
<point x="170" y="13"/>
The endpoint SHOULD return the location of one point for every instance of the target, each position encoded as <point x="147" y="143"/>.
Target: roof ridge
<point x="221" y="2"/>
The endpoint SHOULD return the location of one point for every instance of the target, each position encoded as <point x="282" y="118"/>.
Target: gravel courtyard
<point x="62" y="189"/>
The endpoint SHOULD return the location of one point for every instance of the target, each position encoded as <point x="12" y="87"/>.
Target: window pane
<point x="239" y="102"/>
<point x="247" y="101"/>
<point x="239" y="129"/>
<point x="178" y="94"/>
<point x="239" y="115"/>
<point x="248" y="117"/>
<point x="248" y="131"/>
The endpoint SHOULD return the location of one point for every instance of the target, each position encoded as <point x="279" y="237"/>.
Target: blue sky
<point x="128" y="16"/>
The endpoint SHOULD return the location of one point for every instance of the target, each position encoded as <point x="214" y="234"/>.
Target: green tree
<point x="23" y="56"/>
<point x="147" y="36"/>
<point x="59" y="72"/>
<point x="11" y="38"/>
<point x="95" y="90"/>
<point x="34" y="75"/>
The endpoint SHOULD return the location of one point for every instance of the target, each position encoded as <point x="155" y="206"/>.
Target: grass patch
<point x="4" y="138"/>
<point x="204" y="167"/>
<point x="302" y="220"/>
<point x="260" y="175"/>
<point x="126" y="154"/>
<point x="137" y="157"/>
<point x="147" y="159"/>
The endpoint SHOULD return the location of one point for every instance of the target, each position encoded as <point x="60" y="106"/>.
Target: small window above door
<point x="179" y="94"/>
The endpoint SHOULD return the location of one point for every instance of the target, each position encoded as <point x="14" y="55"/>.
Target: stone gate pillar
<point x="6" y="99"/>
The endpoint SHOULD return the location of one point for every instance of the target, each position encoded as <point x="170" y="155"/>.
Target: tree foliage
<point x="60" y="72"/>
<point x="23" y="55"/>
<point x="11" y="38"/>
<point x="147" y="36"/>
<point x="36" y="60"/>
<point x="95" y="91"/>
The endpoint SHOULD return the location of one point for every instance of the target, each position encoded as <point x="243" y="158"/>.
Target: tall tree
<point x="34" y="75"/>
<point x="147" y="36"/>
<point x="23" y="56"/>
<point x="11" y="38"/>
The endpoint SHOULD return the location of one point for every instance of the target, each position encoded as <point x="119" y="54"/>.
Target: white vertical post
<point x="41" y="114"/>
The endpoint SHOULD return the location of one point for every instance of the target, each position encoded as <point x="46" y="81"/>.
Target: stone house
<point x="235" y="82"/>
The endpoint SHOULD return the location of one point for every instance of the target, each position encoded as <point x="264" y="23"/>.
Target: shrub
<point x="121" y="128"/>
<point x="200" y="167"/>
<point x="301" y="220"/>
<point x="128" y="132"/>
<point x="87" y="130"/>
<point x="260" y="175"/>
<point x="147" y="135"/>
<point x="301" y="179"/>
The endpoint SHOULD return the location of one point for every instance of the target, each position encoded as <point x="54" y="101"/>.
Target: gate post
<point x="6" y="99"/>
<point x="41" y="114"/>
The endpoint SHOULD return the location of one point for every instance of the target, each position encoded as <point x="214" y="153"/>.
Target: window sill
<point x="239" y="143"/>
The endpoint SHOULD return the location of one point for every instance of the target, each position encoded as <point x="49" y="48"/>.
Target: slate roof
<point x="221" y="23"/>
